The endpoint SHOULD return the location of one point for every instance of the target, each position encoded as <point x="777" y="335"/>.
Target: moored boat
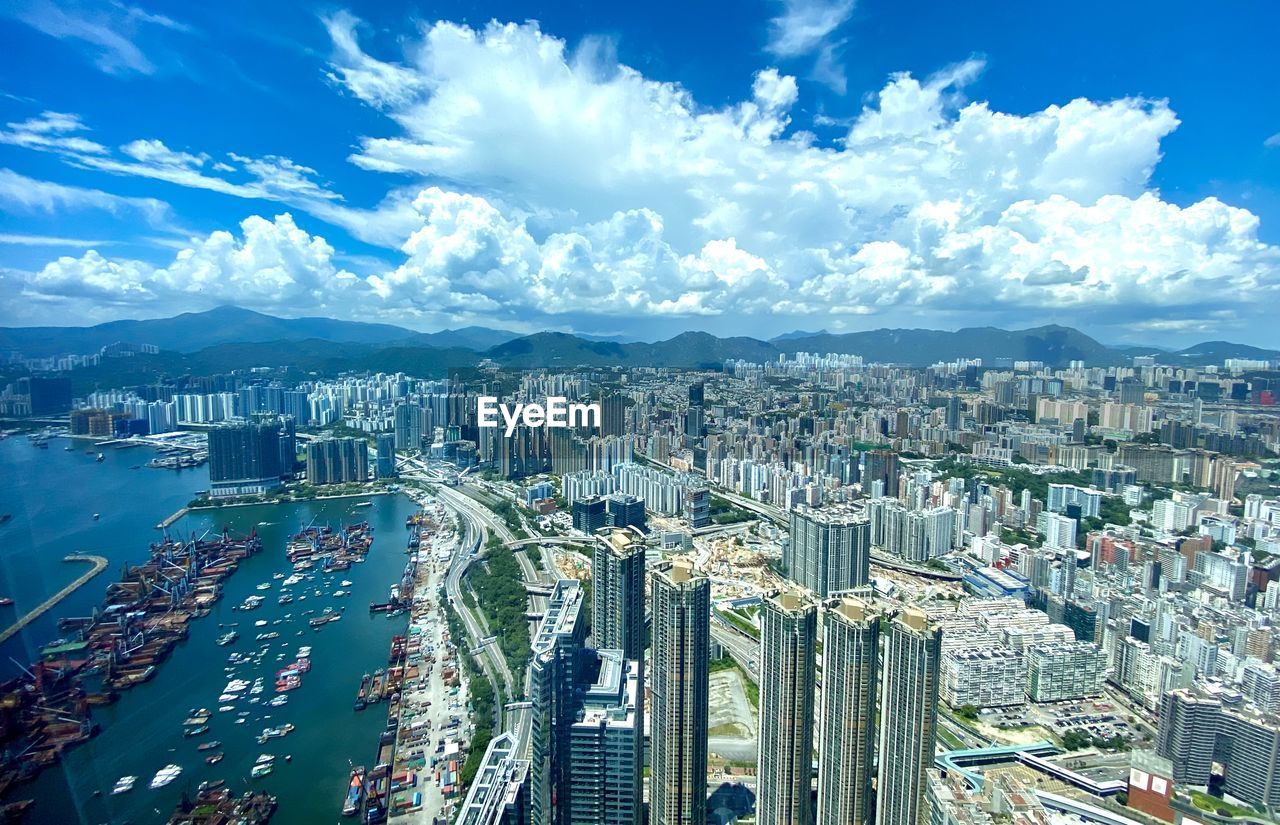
<point x="355" y="793"/>
<point x="165" y="775"/>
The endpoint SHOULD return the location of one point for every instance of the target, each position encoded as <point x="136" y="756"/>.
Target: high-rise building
<point x="407" y="426"/>
<point x="697" y="506"/>
<point x="589" y="514"/>
<point x="846" y="741"/>
<point x="829" y="550"/>
<point x="787" y="663"/>
<point x="622" y="510"/>
<point x="617" y="593"/>
<point x="697" y="394"/>
<point x="244" y="458"/>
<point x="499" y="792"/>
<point x="386" y="446"/>
<point x="337" y="460"/>
<point x="954" y="412"/>
<point x="613" y="415"/>
<point x="908" y="716"/>
<point x="679" y="696"/>
<point x="587" y="732"/>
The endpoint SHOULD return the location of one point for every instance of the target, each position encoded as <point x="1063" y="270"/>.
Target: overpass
<point x="1032" y="755"/>
<point x="582" y="540"/>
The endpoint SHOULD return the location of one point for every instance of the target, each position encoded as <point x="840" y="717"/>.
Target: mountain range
<point x="230" y="337"/>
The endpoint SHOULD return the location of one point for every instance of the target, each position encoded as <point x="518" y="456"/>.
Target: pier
<point x="99" y="564"/>
<point x="167" y="523"/>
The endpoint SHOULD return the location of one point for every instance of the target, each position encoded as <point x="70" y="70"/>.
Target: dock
<point x="98" y="565"/>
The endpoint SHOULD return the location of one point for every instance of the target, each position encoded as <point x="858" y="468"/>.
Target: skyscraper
<point x="407" y="423"/>
<point x="679" y="696"/>
<point x="386" y="445"/>
<point x="617" y="614"/>
<point x="829" y="551"/>
<point x="785" y="757"/>
<point x="244" y="458"/>
<point x="613" y="414"/>
<point x="587" y="731"/>
<point x="908" y="716"/>
<point x="846" y="741"/>
<point x="617" y="593"/>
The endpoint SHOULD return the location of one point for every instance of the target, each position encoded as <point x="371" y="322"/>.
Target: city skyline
<point x="827" y="170"/>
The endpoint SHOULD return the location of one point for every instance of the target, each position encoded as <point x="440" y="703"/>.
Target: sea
<point x="53" y="494"/>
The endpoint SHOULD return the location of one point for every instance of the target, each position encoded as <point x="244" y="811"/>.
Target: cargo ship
<point x="355" y="793"/>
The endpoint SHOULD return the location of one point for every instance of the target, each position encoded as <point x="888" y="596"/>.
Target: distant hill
<point x="688" y="350"/>
<point x="799" y="333"/>
<point x="1053" y="345"/>
<point x="229" y="338"/>
<point x="193" y="331"/>
<point x="1215" y="352"/>
<point x="473" y="338"/>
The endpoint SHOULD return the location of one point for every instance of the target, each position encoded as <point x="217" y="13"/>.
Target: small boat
<point x="261" y="623"/>
<point x="196" y="731"/>
<point x="265" y="586"/>
<point x="365" y="504"/>
<point x="100" y="457"/>
<point x="165" y="775"/>
<point x="347" y="582"/>
<point x="123" y="785"/>
<point x="339" y="593"/>
<point x="214" y="759"/>
<point x="97" y="516"/>
<point x="208" y="746"/>
<point x="264" y="758"/>
<point x="211" y="785"/>
<point x="5" y="601"/>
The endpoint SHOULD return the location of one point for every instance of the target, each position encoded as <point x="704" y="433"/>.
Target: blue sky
<point x="745" y="168"/>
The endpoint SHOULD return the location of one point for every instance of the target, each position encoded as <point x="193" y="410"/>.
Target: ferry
<point x="123" y="785"/>
<point x="165" y="775"/>
<point x="355" y="793"/>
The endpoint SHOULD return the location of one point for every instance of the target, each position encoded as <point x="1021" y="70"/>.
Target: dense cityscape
<point x="784" y="412"/>
<point x="808" y="590"/>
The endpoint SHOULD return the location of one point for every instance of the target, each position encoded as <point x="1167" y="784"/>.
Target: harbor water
<point x="53" y="495"/>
